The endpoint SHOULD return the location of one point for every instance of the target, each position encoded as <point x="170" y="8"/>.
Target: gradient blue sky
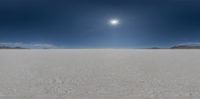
<point x="84" y="23"/>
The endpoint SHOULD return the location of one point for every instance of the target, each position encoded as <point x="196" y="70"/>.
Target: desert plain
<point x="99" y="74"/>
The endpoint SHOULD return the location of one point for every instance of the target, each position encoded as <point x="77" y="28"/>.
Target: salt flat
<point x="99" y="74"/>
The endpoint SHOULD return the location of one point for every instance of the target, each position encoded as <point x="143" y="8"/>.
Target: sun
<point x="114" y="22"/>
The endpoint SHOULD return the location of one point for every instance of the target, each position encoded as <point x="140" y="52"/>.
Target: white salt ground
<point x="99" y="74"/>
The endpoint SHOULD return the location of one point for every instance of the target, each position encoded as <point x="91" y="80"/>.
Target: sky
<point x="85" y="23"/>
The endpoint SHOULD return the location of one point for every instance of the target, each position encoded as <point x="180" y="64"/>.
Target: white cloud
<point x="44" y="46"/>
<point x="190" y="43"/>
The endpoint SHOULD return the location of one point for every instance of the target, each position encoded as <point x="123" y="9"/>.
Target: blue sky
<point x="84" y="23"/>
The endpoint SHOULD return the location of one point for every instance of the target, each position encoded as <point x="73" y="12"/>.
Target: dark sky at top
<point x="84" y="23"/>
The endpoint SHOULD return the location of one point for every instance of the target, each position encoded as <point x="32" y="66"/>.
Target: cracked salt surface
<point x="99" y="74"/>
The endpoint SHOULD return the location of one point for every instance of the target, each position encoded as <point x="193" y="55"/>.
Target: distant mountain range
<point x="186" y="46"/>
<point x="6" y="47"/>
<point x="179" y="46"/>
<point x="19" y="45"/>
<point x="182" y="46"/>
<point x="9" y="47"/>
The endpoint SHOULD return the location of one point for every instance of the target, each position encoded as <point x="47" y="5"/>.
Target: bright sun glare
<point x="114" y="22"/>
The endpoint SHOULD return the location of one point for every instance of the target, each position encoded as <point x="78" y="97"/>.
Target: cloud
<point x="43" y="46"/>
<point x="30" y="45"/>
<point x="190" y="43"/>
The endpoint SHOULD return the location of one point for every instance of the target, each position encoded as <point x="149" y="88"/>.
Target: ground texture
<point x="99" y="74"/>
